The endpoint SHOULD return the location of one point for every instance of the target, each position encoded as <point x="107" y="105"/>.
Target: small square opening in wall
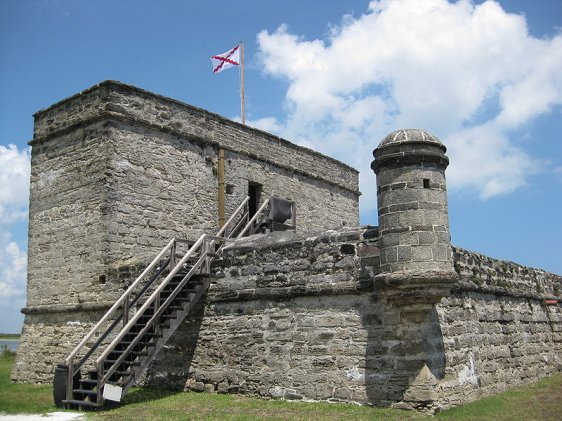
<point x="426" y="183"/>
<point x="229" y="188"/>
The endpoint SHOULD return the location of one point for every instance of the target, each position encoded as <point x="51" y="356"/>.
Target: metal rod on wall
<point x="221" y="186"/>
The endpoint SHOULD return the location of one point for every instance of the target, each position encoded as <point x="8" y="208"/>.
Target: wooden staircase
<point x="121" y="346"/>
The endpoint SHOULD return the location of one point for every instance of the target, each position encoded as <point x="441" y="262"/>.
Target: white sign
<point x="112" y="393"/>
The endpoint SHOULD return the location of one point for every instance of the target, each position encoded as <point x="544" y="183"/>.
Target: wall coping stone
<point x="484" y="274"/>
<point x="281" y="239"/>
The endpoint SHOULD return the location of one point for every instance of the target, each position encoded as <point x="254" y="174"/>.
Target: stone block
<point x="389" y="255"/>
<point x="404" y="253"/>
<point x="421" y="253"/>
<point x="411" y="218"/>
<point x="367" y="250"/>
<point x="292" y="395"/>
<point x="427" y="237"/>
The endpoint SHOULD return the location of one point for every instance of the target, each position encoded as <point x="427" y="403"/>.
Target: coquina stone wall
<point x="499" y="327"/>
<point x="392" y="317"/>
<point x="117" y="172"/>
<point x="300" y="317"/>
<point x="321" y="204"/>
<point x="286" y="316"/>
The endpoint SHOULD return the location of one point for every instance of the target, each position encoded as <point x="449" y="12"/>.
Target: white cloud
<point x="13" y="270"/>
<point x="470" y="74"/>
<point x="539" y="90"/>
<point x="14" y="192"/>
<point x="268" y="124"/>
<point x="500" y="170"/>
<point x="15" y="167"/>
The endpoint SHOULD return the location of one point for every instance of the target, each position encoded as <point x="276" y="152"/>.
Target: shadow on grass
<point x="142" y="395"/>
<point x="137" y="396"/>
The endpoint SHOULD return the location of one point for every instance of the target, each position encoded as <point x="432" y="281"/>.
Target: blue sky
<point x="336" y="76"/>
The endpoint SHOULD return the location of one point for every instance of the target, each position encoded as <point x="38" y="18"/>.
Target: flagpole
<point x="242" y="88"/>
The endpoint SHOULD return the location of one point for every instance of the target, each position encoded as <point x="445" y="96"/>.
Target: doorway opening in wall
<point x="254" y="191"/>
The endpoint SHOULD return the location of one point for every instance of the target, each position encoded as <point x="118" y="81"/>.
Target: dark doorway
<point x="254" y="191"/>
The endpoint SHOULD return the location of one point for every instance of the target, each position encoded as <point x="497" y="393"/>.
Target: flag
<point x="226" y="60"/>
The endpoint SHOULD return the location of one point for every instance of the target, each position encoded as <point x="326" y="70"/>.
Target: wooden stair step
<point x="85" y="391"/>
<point x="131" y="363"/>
<point x="143" y="342"/>
<point x="133" y="354"/>
<point x="81" y="403"/>
<point x="88" y="381"/>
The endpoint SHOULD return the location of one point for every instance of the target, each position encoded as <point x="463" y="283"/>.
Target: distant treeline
<point x="14" y="336"/>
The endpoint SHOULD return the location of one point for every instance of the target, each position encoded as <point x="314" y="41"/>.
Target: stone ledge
<point x="409" y="288"/>
<point x="281" y="239"/>
<point x="62" y="308"/>
<point x="284" y="293"/>
<point x="408" y="278"/>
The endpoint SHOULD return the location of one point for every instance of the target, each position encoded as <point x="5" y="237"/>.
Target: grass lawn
<point x="538" y="401"/>
<point x="143" y="404"/>
<point x="22" y="398"/>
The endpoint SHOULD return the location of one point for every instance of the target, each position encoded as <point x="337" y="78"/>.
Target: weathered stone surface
<point x="412" y="203"/>
<point x="499" y="332"/>
<point x="322" y="339"/>
<point x="117" y="172"/>
<point x="353" y="314"/>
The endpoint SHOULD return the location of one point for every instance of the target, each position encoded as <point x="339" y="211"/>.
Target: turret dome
<point x="410" y="136"/>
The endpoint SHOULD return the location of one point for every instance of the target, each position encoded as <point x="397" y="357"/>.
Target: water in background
<point x="11" y="344"/>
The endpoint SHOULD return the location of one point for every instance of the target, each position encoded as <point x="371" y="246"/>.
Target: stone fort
<point x="140" y="271"/>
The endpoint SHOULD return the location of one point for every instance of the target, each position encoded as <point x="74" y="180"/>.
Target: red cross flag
<point x="226" y="60"/>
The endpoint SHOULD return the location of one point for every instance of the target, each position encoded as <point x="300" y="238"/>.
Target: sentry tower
<point x="416" y="256"/>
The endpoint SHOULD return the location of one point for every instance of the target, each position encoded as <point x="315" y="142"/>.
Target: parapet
<point x="116" y="101"/>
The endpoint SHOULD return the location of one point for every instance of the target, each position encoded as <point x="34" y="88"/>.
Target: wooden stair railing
<point x="132" y="332"/>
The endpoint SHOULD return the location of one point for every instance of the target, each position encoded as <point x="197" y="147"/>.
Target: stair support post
<point x="126" y="311"/>
<point x="70" y="380"/>
<point x="173" y="254"/>
<point x="101" y="383"/>
<point x="206" y="251"/>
